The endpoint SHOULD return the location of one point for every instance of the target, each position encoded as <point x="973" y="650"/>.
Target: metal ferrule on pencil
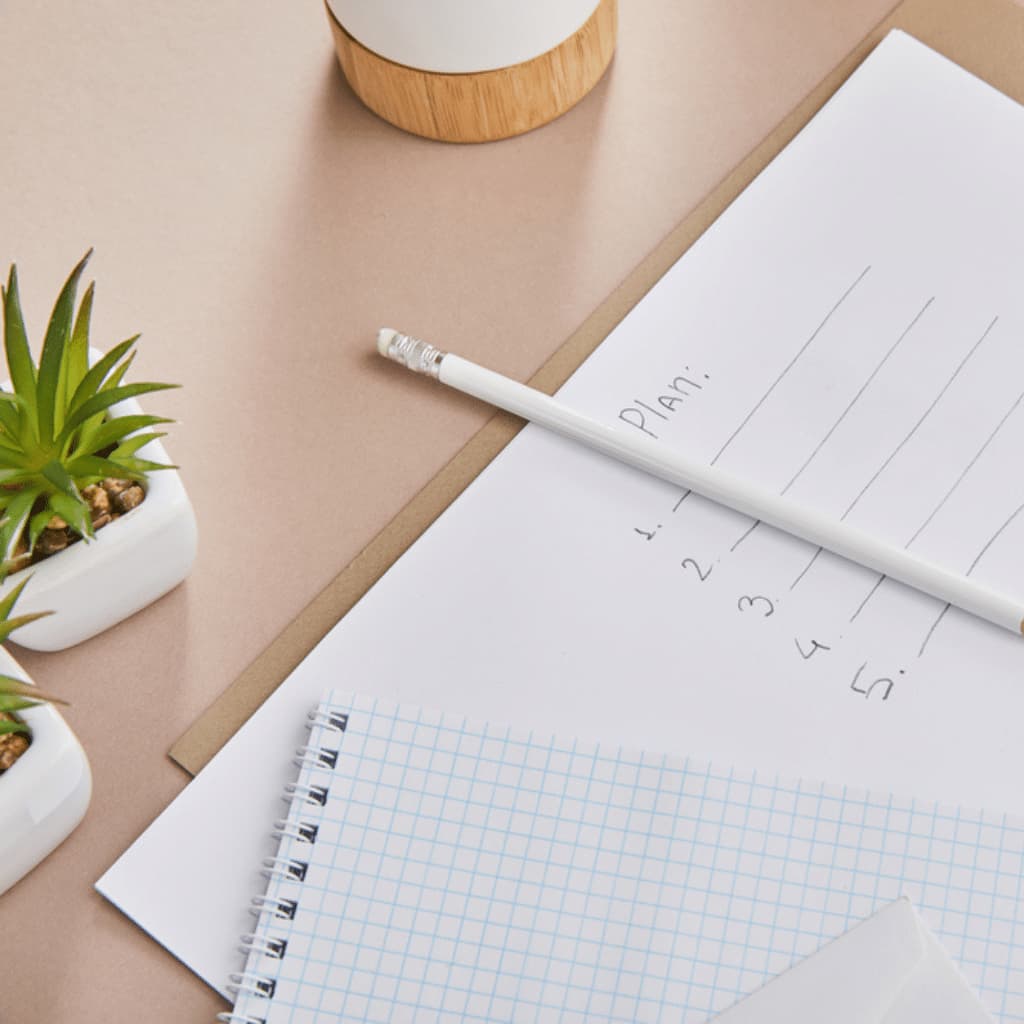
<point x="418" y="356"/>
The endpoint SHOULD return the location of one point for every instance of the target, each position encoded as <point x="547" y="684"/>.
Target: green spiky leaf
<point x="17" y="515"/>
<point x="95" y="468"/>
<point x="37" y="524"/>
<point x="10" y="685"/>
<point x="8" y="627"/>
<point x="102" y="401"/>
<point x="74" y="367"/>
<point x="55" y="353"/>
<point x="138" y="469"/>
<point x="15" y="694"/>
<point x="74" y="511"/>
<point x="12" y="703"/>
<point x="97" y="374"/>
<point x="115" y="430"/>
<point x="7" y="606"/>
<point x="19" y="357"/>
<point x="16" y="454"/>
<point x="130" y="446"/>
<point x="10" y="422"/>
<point x="57" y="475"/>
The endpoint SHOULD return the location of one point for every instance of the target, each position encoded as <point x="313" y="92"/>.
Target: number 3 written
<point x="759" y="601"/>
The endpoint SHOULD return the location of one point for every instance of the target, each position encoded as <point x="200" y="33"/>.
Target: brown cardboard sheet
<point x="984" y="36"/>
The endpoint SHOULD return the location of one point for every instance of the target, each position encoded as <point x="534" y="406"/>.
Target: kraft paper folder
<point x="984" y="36"/>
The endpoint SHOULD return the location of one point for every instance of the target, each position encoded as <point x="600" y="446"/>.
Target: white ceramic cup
<point x="461" y="36"/>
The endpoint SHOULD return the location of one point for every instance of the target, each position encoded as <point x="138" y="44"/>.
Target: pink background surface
<point x="257" y="224"/>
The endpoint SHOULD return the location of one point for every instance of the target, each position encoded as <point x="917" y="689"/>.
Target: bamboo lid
<point x="486" y="105"/>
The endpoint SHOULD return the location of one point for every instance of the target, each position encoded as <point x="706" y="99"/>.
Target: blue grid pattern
<point x="465" y="872"/>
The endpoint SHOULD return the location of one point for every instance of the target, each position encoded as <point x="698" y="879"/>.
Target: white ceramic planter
<point x="92" y="585"/>
<point x="45" y="794"/>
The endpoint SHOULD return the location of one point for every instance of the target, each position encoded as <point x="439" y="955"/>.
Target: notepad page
<point x="471" y="872"/>
<point x="849" y="333"/>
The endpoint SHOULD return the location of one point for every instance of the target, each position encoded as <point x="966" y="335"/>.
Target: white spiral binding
<point x="335" y="720"/>
<point x="242" y="982"/>
<point x="252" y="942"/>
<point x="289" y="868"/>
<point x="315" y="757"/>
<point x="300" y="831"/>
<point x="285" y="869"/>
<point x="280" y="908"/>
<point x="311" y="794"/>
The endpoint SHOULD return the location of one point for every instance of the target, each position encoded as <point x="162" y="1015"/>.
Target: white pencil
<point x="725" y="488"/>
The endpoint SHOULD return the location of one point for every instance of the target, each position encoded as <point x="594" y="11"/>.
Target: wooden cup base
<point x="485" y="105"/>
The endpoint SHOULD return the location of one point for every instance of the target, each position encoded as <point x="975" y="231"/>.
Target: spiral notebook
<point x="432" y="868"/>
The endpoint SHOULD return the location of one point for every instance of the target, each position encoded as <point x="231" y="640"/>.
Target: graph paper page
<point x="463" y="872"/>
<point x="849" y="332"/>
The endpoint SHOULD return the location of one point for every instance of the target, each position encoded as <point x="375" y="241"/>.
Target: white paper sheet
<point x="850" y="331"/>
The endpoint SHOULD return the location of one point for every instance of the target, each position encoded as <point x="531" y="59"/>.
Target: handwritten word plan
<point x="849" y="333"/>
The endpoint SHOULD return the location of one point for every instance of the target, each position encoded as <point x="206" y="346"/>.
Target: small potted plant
<point x="45" y="783"/>
<point x="89" y="498"/>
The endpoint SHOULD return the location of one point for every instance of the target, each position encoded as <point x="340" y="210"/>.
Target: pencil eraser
<point x="384" y="338"/>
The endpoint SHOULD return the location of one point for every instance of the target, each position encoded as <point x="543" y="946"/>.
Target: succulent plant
<point x="57" y="431"/>
<point x="16" y="695"/>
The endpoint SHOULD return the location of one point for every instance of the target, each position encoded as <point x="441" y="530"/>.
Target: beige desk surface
<point x="258" y="225"/>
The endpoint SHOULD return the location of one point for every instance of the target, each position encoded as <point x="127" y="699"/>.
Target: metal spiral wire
<point x="331" y="719"/>
<point x="280" y="908"/>
<point x="310" y="794"/>
<point x="315" y="757"/>
<point x="252" y="942"/>
<point x="289" y="868"/>
<point x="285" y="869"/>
<point x="300" y="831"/>
<point x="246" y="983"/>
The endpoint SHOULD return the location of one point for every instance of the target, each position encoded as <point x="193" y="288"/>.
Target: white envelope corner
<point x="889" y="969"/>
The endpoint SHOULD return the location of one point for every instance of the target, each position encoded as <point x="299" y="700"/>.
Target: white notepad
<point x="437" y="869"/>
<point x="848" y="331"/>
